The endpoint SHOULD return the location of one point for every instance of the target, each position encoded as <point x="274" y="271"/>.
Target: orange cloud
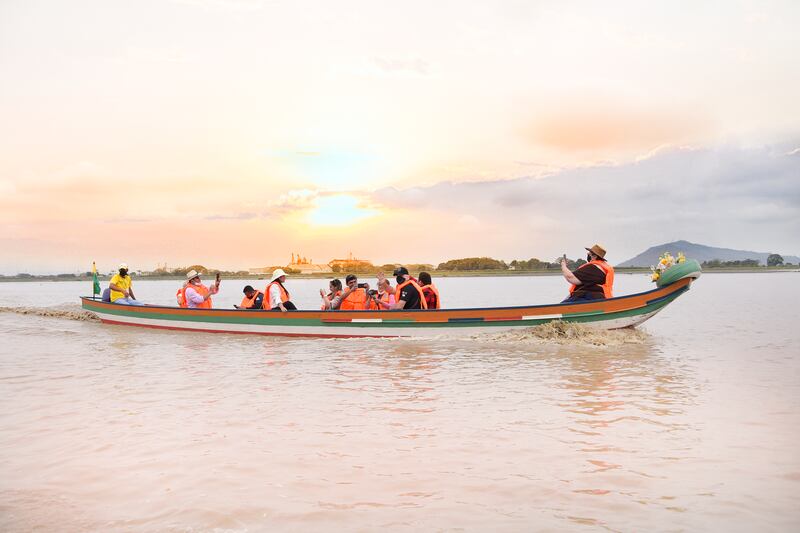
<point x="583" y="126"/>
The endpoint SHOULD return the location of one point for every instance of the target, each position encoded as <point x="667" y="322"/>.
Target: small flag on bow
<point x="95" y="283"/>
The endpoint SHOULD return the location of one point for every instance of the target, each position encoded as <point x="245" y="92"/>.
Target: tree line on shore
<point x="467" y="264"/>
<point x="488" y="263"/>
<point x="773" y="260"/>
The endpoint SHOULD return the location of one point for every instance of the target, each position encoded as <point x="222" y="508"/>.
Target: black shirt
<point x="591" y="277"/>
<point x="410" y="295"/>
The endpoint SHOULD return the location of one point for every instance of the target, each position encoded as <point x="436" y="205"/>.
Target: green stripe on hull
<point x="257" y="319"/>
<point x="573" y="317"/>
<point x="260" y="319"/>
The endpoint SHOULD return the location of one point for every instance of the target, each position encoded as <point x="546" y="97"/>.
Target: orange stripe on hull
<point x="623" y="303"/>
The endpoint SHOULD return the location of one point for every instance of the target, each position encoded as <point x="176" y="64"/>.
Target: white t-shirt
<point x="274" y="296"/>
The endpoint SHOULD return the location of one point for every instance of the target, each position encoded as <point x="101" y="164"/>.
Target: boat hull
<point x="622" y="312"/>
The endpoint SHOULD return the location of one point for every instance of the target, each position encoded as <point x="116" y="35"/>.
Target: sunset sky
<point x="231" y="133"/>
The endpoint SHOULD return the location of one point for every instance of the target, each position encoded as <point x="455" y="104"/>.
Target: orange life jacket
<point x="355" y="301"/>
<point x="383" y="297"/>
<point x="247" y="303"/>
<point x="201" y="290"/>
<point x="331" y="296"/>
<point x="423" y="304"/>
<point x="432" y="288"/>
<point x="284" y="295"/>
<point x="608" y="286"/>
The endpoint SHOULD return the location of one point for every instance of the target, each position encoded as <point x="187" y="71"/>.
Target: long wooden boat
<point x="620" y="312"/>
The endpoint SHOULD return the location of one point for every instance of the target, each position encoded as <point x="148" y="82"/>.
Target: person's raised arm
<point x="568" y="275"/>
<point x="381" y="279"/>
<point x="326" y="303"/>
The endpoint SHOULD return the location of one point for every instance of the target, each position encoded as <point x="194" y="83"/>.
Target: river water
<point x="690" y="423"/>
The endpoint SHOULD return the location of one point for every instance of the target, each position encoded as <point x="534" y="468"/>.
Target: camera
<point x="373" y="292"/>
<point x="362" y="285"/>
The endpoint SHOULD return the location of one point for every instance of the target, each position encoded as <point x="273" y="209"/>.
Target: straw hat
<point x="278" y="272"/>
<point x="598" y="250"/>
<point x="192" y="274"/>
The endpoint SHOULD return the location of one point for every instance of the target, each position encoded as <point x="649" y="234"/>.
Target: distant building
<point x="306" y="266"/>
<point x="311" y="268"/>
<point x="297" y="263"/>
<point x="351" y="264"/>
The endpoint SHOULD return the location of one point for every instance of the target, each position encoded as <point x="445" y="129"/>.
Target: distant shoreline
<point x="435" y="274"/>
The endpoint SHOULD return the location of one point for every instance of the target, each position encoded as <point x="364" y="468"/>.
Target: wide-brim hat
<point x="123" y="266"/>
<point x="598" y="250"/>
<point x="192" y="274"/>
<point x="278" y="272"/>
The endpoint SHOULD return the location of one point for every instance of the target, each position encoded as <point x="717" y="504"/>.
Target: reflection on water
<point x="688" y="425"/>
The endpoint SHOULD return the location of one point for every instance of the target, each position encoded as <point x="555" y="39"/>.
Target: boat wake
<point x="68" y="312"/>
<point x="559" y="332"/>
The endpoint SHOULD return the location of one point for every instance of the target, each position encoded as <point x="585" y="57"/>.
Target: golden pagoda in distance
<point x="300" y="264"/>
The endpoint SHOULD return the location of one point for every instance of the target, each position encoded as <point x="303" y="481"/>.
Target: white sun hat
<point x="192" y="274"/>
<point x="278" y="272"/>
<point x="123" y="266"/>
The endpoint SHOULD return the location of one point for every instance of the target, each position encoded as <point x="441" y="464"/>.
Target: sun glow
<point x="339" y="210"/>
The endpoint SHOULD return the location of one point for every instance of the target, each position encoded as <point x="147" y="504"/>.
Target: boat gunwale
<point x="667" y="290"/>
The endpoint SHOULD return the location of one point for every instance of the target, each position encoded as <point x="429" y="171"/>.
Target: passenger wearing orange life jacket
<point x="333" y="297"/>
<point x="253" y="299"/>
<point x="593" y="280"/>
<point x="194" y="294"/>
<point x="430" y="291"/>
<point x="356" y="296"/>
<point x="381" y="299"/>
<point x="276" y="297"/>
<point x="407" y="294"/>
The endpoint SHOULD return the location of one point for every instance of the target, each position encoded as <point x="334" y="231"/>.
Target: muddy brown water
<point x="689" y="423"/>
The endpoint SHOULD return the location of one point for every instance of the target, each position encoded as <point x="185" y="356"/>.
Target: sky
<point x="231" y="133"/>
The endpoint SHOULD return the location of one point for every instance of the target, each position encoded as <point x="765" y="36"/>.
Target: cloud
<point x="414" y="66"/>
<point x="294" y="201"/>
<point x="156" y="55"/>
<point x="587" y="123"/>
<point x="741" y="197"/>
<point x="88" y="191"/>
<point x="234" y="216"/>
<point x="7" y="187"/>
<point x="224" y="5"/>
